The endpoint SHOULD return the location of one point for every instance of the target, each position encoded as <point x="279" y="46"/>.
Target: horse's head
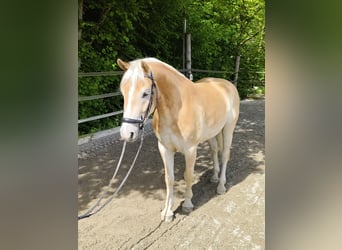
<point x="137" y="87"/>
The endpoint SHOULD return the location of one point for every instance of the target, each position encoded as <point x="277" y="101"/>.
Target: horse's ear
<point x="146" y="68"/>
<point x="123" y="65"/>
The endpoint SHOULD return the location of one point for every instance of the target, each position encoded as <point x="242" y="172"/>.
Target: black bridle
<point x="150" y="103"/>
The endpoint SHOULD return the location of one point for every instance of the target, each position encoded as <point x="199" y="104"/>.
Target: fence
<point x="113" y="94"/>
<point x="95" y="97"/>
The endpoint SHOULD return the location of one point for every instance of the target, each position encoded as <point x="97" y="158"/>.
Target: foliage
<point x="220" y="30"/>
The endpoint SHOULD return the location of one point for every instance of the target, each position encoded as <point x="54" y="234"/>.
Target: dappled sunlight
<point x="258" y="157"/>
<point x="97" y="165"/>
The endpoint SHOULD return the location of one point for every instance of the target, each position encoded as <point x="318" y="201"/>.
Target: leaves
<point x="130" y="29"/>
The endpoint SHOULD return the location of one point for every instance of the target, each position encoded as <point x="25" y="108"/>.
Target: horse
<point x="184" y="114"/>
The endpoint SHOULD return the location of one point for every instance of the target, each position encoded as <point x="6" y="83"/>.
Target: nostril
<point x="132" y="134"/>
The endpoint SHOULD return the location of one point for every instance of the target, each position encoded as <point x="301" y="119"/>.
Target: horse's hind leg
<point x="214" y="147"/>
<point x="227" y="142"/>
<point x="190" y="159"/>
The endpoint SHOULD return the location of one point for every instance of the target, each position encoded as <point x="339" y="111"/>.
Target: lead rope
<point x="91" y="211"/>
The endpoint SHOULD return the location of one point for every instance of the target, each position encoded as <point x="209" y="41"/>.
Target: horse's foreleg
<point x="168" y="160"/>
<point x="190" y="159"/>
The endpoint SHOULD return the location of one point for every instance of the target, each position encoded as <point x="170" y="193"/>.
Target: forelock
<point x="133" y="73"/>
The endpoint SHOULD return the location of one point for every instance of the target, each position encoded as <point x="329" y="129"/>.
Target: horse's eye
<point x="145" y="94"/>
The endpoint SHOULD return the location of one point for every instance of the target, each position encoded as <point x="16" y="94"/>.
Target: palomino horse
<point x="186" y="114"/>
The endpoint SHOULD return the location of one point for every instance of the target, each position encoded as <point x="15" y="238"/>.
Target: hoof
<point x="187" y="209"/>
<point x="187" y="206"/>
<point x="214" y="179"/>
<point x="221" y="190"/>
<point x="167" y="217"/>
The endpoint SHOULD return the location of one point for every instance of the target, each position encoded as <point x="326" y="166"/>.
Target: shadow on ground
<point x="98" y="161"/>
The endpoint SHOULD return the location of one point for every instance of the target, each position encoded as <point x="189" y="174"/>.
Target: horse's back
<point x="214" y="87"/>
<point x="222" y="83"/>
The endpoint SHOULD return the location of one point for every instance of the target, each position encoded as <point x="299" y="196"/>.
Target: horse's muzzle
<point x="129" y="132"/>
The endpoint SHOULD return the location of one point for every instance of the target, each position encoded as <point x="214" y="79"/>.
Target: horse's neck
<point x="171" y="84"/>
<point x="172" y="87"/>
<point x="169" y="78"/>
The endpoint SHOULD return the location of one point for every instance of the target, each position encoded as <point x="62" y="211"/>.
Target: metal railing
<point x="113" y="94"/>
<point x="102" y="96"/>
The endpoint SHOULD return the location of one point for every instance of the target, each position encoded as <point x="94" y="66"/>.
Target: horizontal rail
<point x="92" y="118"/>
<point x="94" y="97"/>
<point x="116" y="73"/>
<point x="211" y="71"/>
<point x="218" y="71"/>
<point x="105" y="73"/>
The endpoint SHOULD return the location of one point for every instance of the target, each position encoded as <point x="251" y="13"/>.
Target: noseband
<point x="147" y="112"/>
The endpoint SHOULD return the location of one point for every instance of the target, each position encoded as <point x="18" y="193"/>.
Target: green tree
<point x="222" y="31"/>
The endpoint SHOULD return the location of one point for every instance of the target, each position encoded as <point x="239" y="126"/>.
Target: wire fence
<point x="114" y="94"/>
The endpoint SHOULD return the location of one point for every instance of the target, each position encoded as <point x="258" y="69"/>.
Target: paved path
<point x="234" y="220"/>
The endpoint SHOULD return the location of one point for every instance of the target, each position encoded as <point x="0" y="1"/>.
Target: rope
<point x="91" y="211"/>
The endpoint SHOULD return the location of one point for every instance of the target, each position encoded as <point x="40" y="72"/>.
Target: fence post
<point x="187" y="53"/>
<point x="80" y="19"/>
<point x="236" y="71"/>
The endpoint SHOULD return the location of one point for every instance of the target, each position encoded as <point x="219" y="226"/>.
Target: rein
<point x="141" y="123"/>
<point x="148" y="110"/>
<point x="91" y="211"/>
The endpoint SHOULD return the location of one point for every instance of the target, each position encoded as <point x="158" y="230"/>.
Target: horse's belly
<point x="211" y="130"/>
